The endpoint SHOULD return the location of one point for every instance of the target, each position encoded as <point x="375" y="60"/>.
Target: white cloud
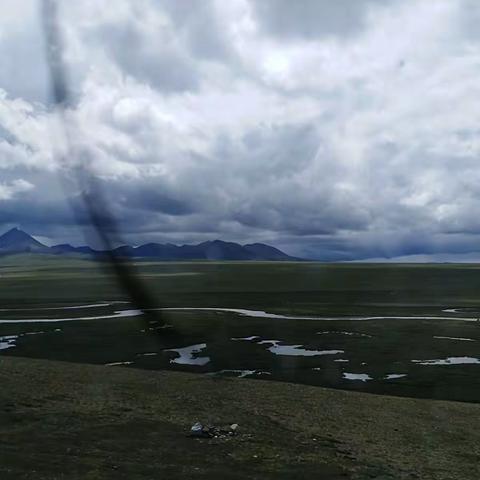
<point x="9" y="190"/>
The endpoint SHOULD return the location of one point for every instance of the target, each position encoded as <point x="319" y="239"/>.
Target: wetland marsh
<point x="407" y="330"/>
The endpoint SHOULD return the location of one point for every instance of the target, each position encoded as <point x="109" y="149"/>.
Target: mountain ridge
<point x="16" y="241"/>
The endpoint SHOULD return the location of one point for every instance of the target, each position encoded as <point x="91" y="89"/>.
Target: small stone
<point x="197" y="430"/>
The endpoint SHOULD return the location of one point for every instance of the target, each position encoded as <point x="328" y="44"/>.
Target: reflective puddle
<point x="187" y="355"/>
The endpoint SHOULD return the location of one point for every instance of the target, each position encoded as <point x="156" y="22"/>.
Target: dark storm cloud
<point x="150" y="195"/>
<point x="156" y="61"/>
<point x="313" y="19"/>
<point x="468" y="20"/>
<point x="201" y="27"/>
<point x="163" y="43"/>
<point x="155" y="199"/>
<point x="38" y="209"/>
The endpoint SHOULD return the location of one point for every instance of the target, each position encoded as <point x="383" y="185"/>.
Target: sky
<point x="345" y="130"/>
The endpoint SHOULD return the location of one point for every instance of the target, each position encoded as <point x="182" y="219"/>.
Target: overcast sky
<point x="336" y="130"/>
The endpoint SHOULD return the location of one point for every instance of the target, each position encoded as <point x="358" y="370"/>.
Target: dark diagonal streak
<point x="98" y="214"/>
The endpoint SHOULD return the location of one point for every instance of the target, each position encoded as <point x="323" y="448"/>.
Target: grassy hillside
<point x="72" y="421"/>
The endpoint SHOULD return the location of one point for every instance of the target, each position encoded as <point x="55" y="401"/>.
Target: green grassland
<point x="74" y="421"/>
<point x="376" y="348"/>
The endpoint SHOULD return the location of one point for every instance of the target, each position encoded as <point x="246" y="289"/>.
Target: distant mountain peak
<point x="13" y="232"/>
<point x="18" y="241"/>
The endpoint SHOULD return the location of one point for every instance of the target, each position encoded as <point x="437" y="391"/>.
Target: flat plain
<point x="408" y="330"/>
<point x="288" y="330"/>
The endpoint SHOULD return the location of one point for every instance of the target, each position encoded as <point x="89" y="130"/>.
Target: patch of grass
<point x="76" y="421"/>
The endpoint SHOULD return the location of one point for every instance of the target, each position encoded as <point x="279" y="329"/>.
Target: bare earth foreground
<point x="72" y="421"/>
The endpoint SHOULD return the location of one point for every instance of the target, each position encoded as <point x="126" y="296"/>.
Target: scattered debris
<point x="210" y="431"/>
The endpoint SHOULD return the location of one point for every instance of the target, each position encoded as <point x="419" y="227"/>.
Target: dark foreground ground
<point x="73" y="421"/>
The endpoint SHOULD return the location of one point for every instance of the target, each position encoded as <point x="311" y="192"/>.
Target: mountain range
<point x="17" y="241"/>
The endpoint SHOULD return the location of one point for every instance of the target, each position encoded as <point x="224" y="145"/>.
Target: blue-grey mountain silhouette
<point x="18" y="241"/>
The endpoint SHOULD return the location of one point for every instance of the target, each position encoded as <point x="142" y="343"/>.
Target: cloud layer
<point x="336" y="130"/>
